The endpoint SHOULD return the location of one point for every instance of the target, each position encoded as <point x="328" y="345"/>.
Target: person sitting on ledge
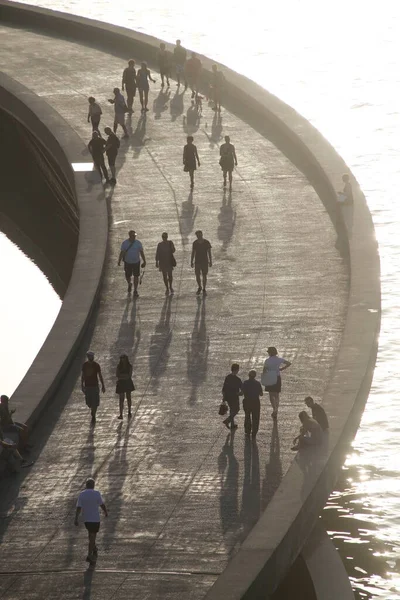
<point x="310" y="432"/>
<point x="318" y="413"/>
<point x="9" y="426"/>
<point x="10" y="457"/>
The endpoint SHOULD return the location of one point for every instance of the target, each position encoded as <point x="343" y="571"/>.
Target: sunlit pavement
<point x="181" y="492"/>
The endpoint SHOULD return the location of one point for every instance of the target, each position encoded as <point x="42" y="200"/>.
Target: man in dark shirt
<point x="231" y="390"/>
<point x="96" y="148"/>
<point x="163" y="64"/>
<point x="91" y="374"/>
<point x="112" y="147"/>
<point x="180" y="59"/>
<point x="201" y="260"/>
<point x="165" y="261"/>
<point x="318" y="413"/>
<point x="252" y="391"/>
<point x="129" y="84"/>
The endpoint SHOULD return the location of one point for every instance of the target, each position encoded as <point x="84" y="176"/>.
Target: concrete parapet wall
<point x="274" y="543"/>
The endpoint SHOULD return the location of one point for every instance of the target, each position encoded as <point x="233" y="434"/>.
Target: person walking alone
<point x="201" y="260"/>
<point x="190" y="156"/>
<point x="89" y="502"/>
<point x="131" y="252"/>
<point x="129" y="84"/>
<point x="94" y="114"/>
<point x="271" y="377"/>
<point x="165" y="261"/>
<point x="125" y="385"/>
<point x="112" y="147"/>
<point x="120" y="108"/>
<point x="217" y="84"/>
<point x="252" y="390"/>
<point x="163" y="59"/>
<point x="90" y="376"/>
<point x="143" y="76"/>
<point x="193" y="69"/>
<point x="228" y="160"/>
<point x="231" y="390"/>
<point x="96" y="147"/>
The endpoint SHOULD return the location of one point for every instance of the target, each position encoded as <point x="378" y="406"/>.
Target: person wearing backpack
<point x="165" y="261"/>
<point x="111" y="149"/>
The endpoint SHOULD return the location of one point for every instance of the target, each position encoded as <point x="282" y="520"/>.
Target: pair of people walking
<point x="227" y="161"/>
<point x="99" y="146"/>
<point x="251" y="391"/>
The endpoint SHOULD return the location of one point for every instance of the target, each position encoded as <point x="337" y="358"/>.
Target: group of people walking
<point x="188" y="70"/>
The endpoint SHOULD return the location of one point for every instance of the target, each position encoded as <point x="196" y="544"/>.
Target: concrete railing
<point x="279" y="535"/>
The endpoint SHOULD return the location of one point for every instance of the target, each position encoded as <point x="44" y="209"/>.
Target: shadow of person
<point x="138" y="139"/>
<point x="176" y="105"/>
<point x="159" y="344"/>
<point x="187" y="218"/>
<point x="128" y="338"/>
<point x="228" y="468"/>
<point x="273" y="469"/>
<point x="250" y="510"/>
<point x="87" y="583"/>
<point x="160" y="104"/>
<point x="227" y="221"/>
<point x="191" y="122"/>
<point x="197" y="351"/>
<point x="117" y="472"/>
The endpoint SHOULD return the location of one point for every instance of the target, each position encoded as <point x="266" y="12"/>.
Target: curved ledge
<point x="278" y="537"/>
<point x="46" y="125"/>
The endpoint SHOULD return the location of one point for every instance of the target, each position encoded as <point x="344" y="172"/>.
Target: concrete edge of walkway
<point x="65" y="147"/>
<point x="278" y="537"/>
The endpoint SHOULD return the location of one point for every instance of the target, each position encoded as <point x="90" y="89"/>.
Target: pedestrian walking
<point x="143" y="76"/>
<point x="112" y="147"/>
<point x="310" y="432"/>
<point x="88" y="504"/>
<point x="231" y="390"/>
<point x="94" y="114"/>
<point x="90" y="377"/>
<point x="96" y="147"/>
<point x="252" y="390"/>
<point x="201" y="260"/>
<point x="318" y="413"/>
<point x="131" y="252"/>
<point x="271" y="377"/>
<point x="164" y="65"/>
<point x="125" y="385"/>
<point x="180" y="60"/>
<point x="129" y="84"/>
<point x="217" y="84"/>
<point x="165" y="261"/>
<point x="190" y="157"/>
<point x="228" y="159"/>
<point x="193" y="69"/>
<point x="120" y="108"/>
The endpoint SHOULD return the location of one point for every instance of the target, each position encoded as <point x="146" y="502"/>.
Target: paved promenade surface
<point x="182" y="493"/>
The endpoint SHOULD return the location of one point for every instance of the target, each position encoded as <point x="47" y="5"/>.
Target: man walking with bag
<point x="165" y="261"/>
<point x="231" y="390"/>
<point x="131" y="253"/>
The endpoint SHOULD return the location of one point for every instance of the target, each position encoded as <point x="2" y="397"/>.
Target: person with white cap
<point x="91" y="374"/>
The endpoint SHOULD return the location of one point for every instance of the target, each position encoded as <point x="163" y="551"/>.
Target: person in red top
<point x="192" y="73"/>
<point x="91" y="374"/>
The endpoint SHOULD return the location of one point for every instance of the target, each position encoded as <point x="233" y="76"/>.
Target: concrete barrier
<point x="280" y="534"/>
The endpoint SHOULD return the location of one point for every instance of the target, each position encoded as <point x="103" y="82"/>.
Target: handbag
<point x="223" y="408"/>
<point x="269" y="378"/>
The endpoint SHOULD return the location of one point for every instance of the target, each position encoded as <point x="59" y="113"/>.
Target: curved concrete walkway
<point x="182" y="494"/>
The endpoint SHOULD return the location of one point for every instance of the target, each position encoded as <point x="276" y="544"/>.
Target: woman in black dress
<point x="190" y="157"/>
<point x="228" y="159"/>
<point x="124" y="384"/>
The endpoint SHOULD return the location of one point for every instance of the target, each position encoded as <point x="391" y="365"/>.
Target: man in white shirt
<point x="89" y="502"/>
<point x="131" y="252"/>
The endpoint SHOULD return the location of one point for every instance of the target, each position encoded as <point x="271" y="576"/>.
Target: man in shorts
<point x="112" y="147"/>
<point x="89" y="502"/>
<point x="165" y="261"/>
<point x="131" y="252"/>
<point x="120" y="108"/>
<point x="201" y="260"/>
<point x="91" y="374"/>
<point x="180" y="59"/>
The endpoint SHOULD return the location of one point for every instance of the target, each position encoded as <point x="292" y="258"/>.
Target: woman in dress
<point x="190" y="157"/>
<point x="271" y="377"/>
<point x="143" y="76"/>
<point x="124" y="384"/>
<point x="228" y="159"/>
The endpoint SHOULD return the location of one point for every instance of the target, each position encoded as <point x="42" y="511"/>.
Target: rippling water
<point x="339" y="65"/>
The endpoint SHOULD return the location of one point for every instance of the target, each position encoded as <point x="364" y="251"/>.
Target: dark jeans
<point x="130" y="94"/>
<point x="251" y="409"/>
<point x="100" y="165"/>
<point x="234" y="407"/>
